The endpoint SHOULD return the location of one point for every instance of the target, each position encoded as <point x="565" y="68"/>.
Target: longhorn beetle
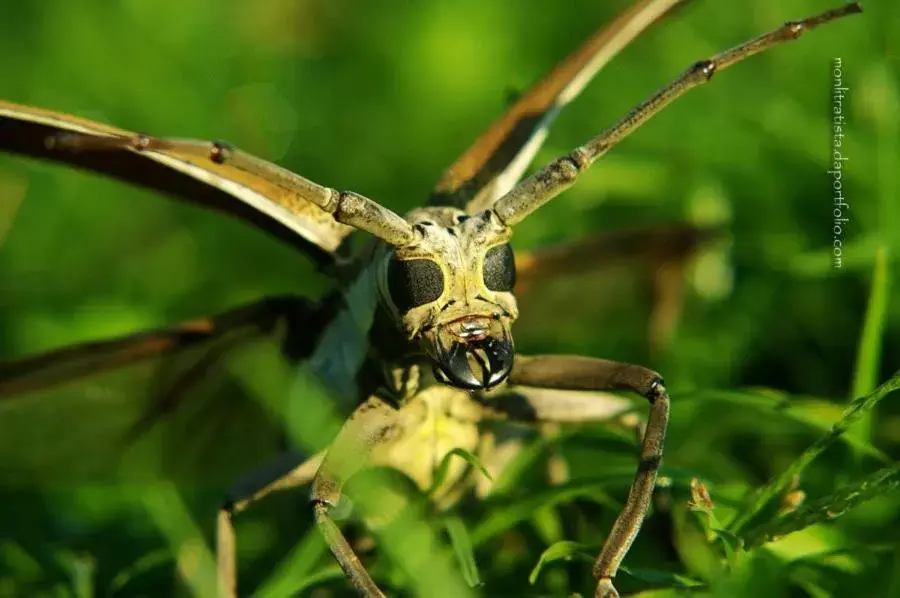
<point x="441" y="278"/>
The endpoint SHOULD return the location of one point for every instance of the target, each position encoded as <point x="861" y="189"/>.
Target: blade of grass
<point x="531" y="454"/>
<point x="81" y="569"/>
<point x="444" y="467"/>
<point x="797" y="409"/>
<point x="19" y="563"/>
<point x="294" y="572"/>
<point x="196" y="563"/>
<point x="408" y="538"/>
<point x="893" y="585"/>
<point x="328" y="573"/>
<point x="504" y="516"/>
<point x="663" y="578"/>
<point x="462" y="546"/>
<point x="564" y="550"/>
<point x="826" y="508"/>
<point x="568" y="551"/>
<point x="868" y="356"/>
<point x="776" y="487"/>
<point x="143" y="565"/>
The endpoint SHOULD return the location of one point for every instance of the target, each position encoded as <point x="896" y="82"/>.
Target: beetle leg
<point x="372" y="424"/>
<point x="569" y="372"/>
<point x="287" y="470"/>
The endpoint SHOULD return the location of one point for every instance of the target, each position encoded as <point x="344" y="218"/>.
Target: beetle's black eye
<point x="500" y="268"/>
<point x="412" y="283"/>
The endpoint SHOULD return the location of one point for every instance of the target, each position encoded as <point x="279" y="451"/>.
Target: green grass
<point x="378" y="98"/>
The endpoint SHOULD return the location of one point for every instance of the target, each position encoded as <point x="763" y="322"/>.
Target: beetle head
<point x="450" y="291"/>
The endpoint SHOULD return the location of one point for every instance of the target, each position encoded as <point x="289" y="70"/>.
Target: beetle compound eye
<point x="412" y="283"/>
<point x="500" y="268"/>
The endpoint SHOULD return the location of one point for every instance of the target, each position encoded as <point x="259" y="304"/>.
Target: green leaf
<point x="827" y="508"/>
<point x="444" y="467"/>
<point x="731" y="544"/>
<point x="503" y="516"/>
<point x="531" y="453"/>
<point x="776" y="487"/>
<point x="568" y="551"/>
<point x="565" y="550"/>
<point x="662" y="578"/>
<point x="143" y="565"/>
<point x="548" y="525"/>
<point x="462" y="547"/>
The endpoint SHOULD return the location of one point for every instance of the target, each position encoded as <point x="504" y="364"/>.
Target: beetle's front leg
<point x="372" y="424"/>
<point x="569" y="372"/>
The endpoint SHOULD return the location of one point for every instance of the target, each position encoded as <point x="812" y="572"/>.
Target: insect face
<point x="450" y="291"/>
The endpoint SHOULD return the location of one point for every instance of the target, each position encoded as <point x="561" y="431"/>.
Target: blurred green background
<point x="379" y="97"/>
